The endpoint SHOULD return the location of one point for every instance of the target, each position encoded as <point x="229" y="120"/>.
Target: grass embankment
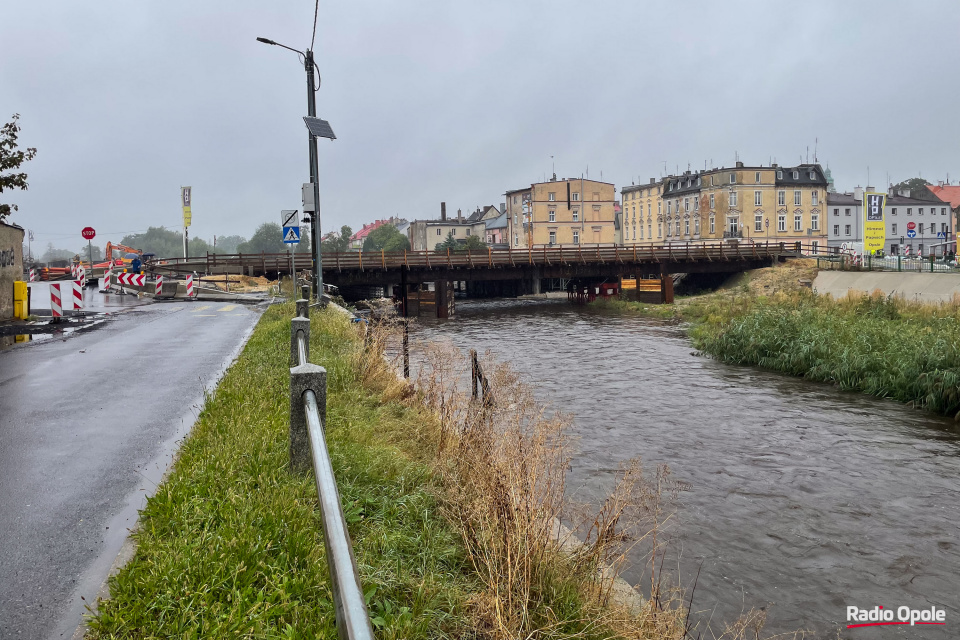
<point x="448" y="504"/>
<point x="231" y="545"/>
<point x="880" y="345"/>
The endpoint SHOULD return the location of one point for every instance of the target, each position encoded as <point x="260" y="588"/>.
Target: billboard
<point x="874" y="231"/>
<point x="185" y="198"/>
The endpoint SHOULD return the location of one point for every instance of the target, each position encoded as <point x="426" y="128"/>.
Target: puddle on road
<point x="14" y="335"/>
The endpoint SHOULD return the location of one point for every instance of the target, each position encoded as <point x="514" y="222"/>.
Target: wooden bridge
<point x="379" y="268"/>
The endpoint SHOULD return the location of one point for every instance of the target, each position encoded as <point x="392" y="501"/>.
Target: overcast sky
<point x="453" y="101"/>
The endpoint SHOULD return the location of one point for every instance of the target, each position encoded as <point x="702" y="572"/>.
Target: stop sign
<point x="88" y="233"/>
<point x="911" y="225"/>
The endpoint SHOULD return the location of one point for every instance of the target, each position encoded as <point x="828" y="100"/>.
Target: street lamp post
<point x="315" y="258"/>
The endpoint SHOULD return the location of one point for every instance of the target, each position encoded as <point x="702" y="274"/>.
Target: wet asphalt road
<point x="88" y="423"/>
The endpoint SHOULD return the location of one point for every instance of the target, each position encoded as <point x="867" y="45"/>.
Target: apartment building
<point x="912" y="226"/>
<point x="564" y="212"/>
<point x="425" y="235"/>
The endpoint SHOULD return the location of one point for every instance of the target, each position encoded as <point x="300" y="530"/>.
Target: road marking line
<point x="229" y="307"/>
<point x="203" y="308"/>
<point x="206" y="315"/>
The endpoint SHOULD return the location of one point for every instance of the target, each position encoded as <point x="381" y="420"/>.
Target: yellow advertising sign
<point x="874" y="229"/>
<point x="185" y="197"/>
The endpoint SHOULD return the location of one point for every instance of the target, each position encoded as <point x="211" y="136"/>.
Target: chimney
<point x="443" y="211"/>
<point x="554" y="178"/>
<point x="459" y="215"/>
<point x="739" y="165"/>
<point x="653" y="181"/>
<point x="503" y="207"/>
<point x="858" y="194"/>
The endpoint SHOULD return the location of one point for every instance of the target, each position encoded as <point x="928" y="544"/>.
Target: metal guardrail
<point x="308" y="409"/>
<point x="848" y="262"/>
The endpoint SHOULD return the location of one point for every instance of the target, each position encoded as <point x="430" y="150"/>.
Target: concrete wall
<point x="11" y="266"/>
<point x="922" y="287"/>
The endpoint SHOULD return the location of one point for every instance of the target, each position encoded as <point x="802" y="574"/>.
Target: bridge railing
<point x="308" y="410"/>
<point x="540" y="256"/>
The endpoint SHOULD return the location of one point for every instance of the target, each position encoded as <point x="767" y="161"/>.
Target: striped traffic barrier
<point x="33" y="275"/>
<point x="159" y="288"/>
<point x="189" y="285"/>
<point x="131" y="279"/>
<point x="56" y="307"/>
<point x="81" y="275"/>
<point x="105" y="281"/>
<point x="78" y="294"/>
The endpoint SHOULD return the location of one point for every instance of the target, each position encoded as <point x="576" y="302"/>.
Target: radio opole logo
<point x="878" y="616"/>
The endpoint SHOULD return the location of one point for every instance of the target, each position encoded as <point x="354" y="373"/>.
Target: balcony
<point x="733" y="234"/>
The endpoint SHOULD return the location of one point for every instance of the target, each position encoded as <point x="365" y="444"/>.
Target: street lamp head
<point x="265" y="41"/>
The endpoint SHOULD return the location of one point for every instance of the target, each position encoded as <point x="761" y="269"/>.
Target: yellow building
<point x="779" y="204"/>
<point x="568" y="212"/>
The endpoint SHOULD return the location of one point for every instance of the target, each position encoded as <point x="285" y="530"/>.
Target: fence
<point x="849" y="262"/>
<point x="308" y="412"/>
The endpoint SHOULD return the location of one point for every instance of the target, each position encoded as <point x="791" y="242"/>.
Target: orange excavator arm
<point x="111" y="247"/>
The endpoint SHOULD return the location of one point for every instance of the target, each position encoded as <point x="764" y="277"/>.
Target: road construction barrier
<point x="33" y="275"/>
<point x="81" y="275"/>
<point x="159" y="289"/>
<point x="105" y="281"/>
<point x="77" y="294"/>
<point x="131" y="279"/>
<point x="56" y="306"/>
<point x="189" y="285"/>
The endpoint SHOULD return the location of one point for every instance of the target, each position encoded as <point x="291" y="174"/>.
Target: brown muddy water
<point x="803" y="499"/>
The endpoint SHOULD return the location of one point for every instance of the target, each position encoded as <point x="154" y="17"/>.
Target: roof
<point x="803" y="175"/>
<point x="947" y="193"/>
<point x="889" y="201"/>
<point x="842" y="199"/>
<point x="684" y="185"/>
<point x="500" y="222"/>
<point x="367" y="228"/>
<point x="483" y="214"/>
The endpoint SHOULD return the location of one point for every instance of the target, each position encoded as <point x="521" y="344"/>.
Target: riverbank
<point x="448" y="506"/>
<point x="873" y="343"/>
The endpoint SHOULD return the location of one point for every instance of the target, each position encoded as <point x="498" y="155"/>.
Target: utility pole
<point x="316" y="260"/>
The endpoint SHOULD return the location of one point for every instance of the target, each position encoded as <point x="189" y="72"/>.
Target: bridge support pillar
<point x="666" y="287"/>
<point x="535" y="282"/>
<point x="444" y="298"/>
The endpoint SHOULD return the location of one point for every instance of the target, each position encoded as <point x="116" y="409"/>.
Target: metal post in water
<point x="406" y="348"/>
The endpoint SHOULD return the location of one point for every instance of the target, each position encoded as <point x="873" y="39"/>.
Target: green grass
<point x="231" y="544"/>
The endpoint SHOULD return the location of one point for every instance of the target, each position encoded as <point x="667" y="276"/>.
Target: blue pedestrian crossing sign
<point x="291" y="226"/>
<point x="942" y="234"/>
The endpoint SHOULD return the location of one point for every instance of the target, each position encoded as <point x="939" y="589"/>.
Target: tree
<point x="918" y="189"/>
<point x="337" y="242"/>
<point x="472" y="243"/>
<point x="268" y="238"/>
<point x="161" y="241"/>
<point x="227" y="244"/>
<point x="449" y="243"/>
<point x="386" y="238"/>
<point x="97" y="253"/>
<point x="10" y="160"/>
<point x="52" y="254"/>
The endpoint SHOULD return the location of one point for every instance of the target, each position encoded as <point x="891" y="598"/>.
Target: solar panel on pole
<point x="319" y="128"/>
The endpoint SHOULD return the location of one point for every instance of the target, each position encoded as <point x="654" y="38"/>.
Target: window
<point x="671" y="187"/>
<point x="909" y="211"/>
<point x="711" y="203"/>
<point x="698" y="181"/>
<point x="659" y="207"/>
<point x="943" y="211"/>
<point x="920" y="211"/>
<point x="733" y="198"/>
<point x="686" y="204"/>
<point x="514" y="218"/>
<point x="669" y="206"/>
<point x="733" y="178"/>
<point x="696" y="204"/>
<point x="757" y="198"/>
<point x="920" y="230"/>
<point x="553" y="215"/>
<point x="893" y="211"/>
<point x="757" y="177"/>
<point x="846" y="229"/>
<point x="696" y="226"/>
<point x="815" y="245"/>
<point x="659" y="230"/>
<point x="468" y="232"/>
<point x="943" y="227"/>
<point x="797" y="197"/>
<point x="576" y="214"/>
<point x="650" y="231"/>
<point x="641" y="233"/>
<point x="797" y="222"/>
<point x="669" y="230"/>
<point x="516" y="239"/>
<point x="733" y="225"/>
<point x="713" y="226"/>
<point x="836" y="230"/>
<point x="711" y="181"/>
<point x="796" y="175"/>
<point x="757" y="222"/>
<point x="516" y="199"/>
<point x="649" y="209"/>
<point x="553" y="237"/>
<point x="576" y="196"/>
<point x="438" y="231"/>
<point x="678" y="228"/>
<point x="686" y="227"/>
<point x="779" y="175"/>
<point x="815" y="221"/>
<point x="814" y="198"/>
<point x="782" y="222"/>
<point x="893" y="228"/>
<point x="576" y="236"/>
<point x="782" y="198"/>
<point x="846" y="211"/>
<point x="552" y="197"/>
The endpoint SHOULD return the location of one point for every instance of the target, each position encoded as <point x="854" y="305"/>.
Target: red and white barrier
<point x="189" y="285"/>
<point x="33" y="275"/>
<point x="56" y="306"/>
<point x="73" y="270"/>
<point x="105" y="281"/>
<point x="78" y="294"/>
<point x="131" y="279"/>
<point x="159" y="289"/>
<point x="81" y="275"/>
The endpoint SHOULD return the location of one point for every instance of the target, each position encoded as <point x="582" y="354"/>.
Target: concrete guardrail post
<point x="303" y="308"/>
<point x="303" y="378"/>
<point x="299" y="325"/>
<point x="305" y="292"/>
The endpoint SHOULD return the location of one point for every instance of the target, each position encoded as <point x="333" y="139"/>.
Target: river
<point x="802" y="499"/>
